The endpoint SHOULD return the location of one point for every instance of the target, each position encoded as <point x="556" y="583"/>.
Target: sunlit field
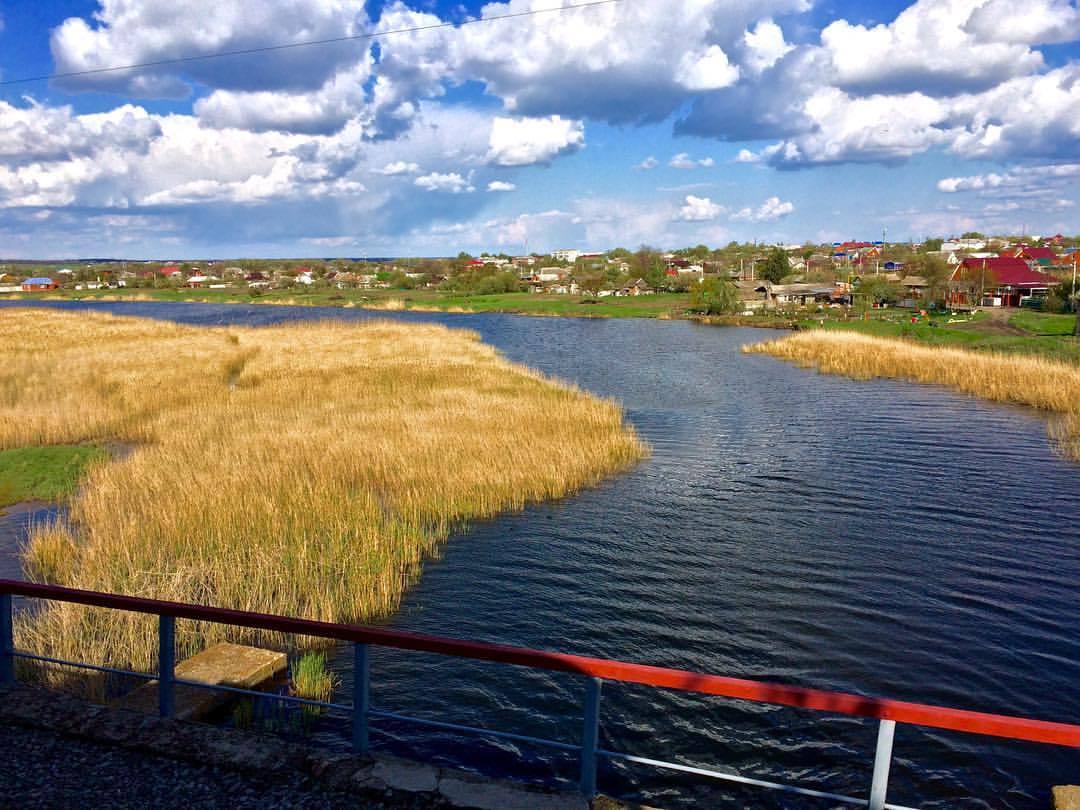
<point x="305" y="469"/>
<point x="1040" y="383"/>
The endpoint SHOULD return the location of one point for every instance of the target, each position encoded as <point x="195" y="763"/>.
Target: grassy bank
<point x="305" y="469"/>
<point x="1048" y="385"/>
<point x="662" y="305"/>
<point x="44" y="473"/>
<point x="1035" y="333"/>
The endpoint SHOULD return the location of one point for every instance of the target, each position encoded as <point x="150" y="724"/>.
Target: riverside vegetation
<point x="306" y="469"/>
<point x="1045" y="384"/>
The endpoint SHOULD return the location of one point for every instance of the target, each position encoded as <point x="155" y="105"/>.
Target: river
<point x="876" y="537"/>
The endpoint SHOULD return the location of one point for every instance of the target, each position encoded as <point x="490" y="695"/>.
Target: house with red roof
<point x="1004" y="280"/>
<point x="1043" y="256"/>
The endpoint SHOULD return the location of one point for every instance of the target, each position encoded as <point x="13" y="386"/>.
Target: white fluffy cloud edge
<point x="367" y="127"/>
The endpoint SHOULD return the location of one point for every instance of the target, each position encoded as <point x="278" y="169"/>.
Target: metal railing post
<point x="590" y="737"/>
<point x="361" y="698"/>
<point x="7" y="641"/>
<point x="166" y="664"/>
<point x="882" y="760"/>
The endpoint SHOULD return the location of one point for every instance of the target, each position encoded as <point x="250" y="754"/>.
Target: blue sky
<point x="634" y="122"/>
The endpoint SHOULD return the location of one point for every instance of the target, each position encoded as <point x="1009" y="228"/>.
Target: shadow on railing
<point x="595" y="670"/>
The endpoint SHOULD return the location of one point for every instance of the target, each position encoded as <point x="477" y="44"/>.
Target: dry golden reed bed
<point x="305" y="470"/>
<point x="1024" y="380"/>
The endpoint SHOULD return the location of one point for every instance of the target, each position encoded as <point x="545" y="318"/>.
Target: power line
<point x="306" y="44"/>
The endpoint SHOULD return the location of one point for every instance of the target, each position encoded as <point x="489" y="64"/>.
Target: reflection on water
<point x="874" y="537"/>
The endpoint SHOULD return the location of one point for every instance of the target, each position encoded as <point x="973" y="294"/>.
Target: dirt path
<point x="996" y="322"/>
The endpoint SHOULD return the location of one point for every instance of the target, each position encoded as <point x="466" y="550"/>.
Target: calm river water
<point x="875" y="537"/>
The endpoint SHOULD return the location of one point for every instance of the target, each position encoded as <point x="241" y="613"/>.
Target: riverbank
<point x="1036" y="382"/>
<point x="1004" y="331"/>
<point x="305" y="469"/>
<point x="1013" y="332"/>
<point x="660" y="305"/>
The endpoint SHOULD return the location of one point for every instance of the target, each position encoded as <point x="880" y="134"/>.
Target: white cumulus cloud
<point x="398" y="167"/>
<point x="500" y="185"/>
<point x="523" y="141"/>
<point x="450" y="182"/>
<point x="765" y="45"/>
<point x="1032" y="22"/>
<point x="926" y="48"/>
<point x="699" y="209"/>
<point x="684" y="161"/>
<point x="769" y="210"/>
<point x="125" y="32"/>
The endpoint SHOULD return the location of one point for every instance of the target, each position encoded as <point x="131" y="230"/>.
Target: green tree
<point x="934" y="271"/>
<point x="879" y="290"/>
<point x="648" y="263"/>
<point x="714" y="296"/>
<point x="590" y="281"/>
<point x="776" y="266"/>
<point x="932" y="245"/>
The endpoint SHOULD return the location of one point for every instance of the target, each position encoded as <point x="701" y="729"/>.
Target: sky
<point x="659" y="122"/>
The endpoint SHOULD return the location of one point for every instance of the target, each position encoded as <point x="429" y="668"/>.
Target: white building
<point x="954" y="245"/>
<point x="549" y="274"/>
<point x="570" y="256"/>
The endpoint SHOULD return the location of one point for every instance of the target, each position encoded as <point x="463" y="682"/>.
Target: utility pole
<point x="1075" y="297"/>
<point x="982" y="282"/>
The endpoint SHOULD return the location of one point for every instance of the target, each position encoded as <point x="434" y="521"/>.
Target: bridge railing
<point x="594" y="672"/>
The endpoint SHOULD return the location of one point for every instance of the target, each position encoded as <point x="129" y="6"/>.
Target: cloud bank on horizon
<point x="953" y="114"/>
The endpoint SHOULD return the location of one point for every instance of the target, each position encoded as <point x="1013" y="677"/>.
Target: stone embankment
<point x="60" y="751"/>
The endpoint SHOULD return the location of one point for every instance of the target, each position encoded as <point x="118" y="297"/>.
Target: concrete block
<point x="399" y="774"/>
<point x="233" y="665"/>
<point x="1067" y="797"/>
<point x="461" y="791"/>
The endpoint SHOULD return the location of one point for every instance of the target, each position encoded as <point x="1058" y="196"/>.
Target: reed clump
<point x="306" y="470"/>
<point x="1047" y="385"/>
<point x="312" y="680"/>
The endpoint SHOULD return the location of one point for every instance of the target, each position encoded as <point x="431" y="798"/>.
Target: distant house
<point x="914" y="290"/>
<point x="953" y="245"/>
<point x="800" y="293"/>
<point x="753" y="295"/>
<point x="569" y="256"/>
<point x="1003" y="279"/>
<point x="545" y="274"/>
<point x="38" y="284"/>
<point x="197" y="281"/>
<point x="639" y="287"/>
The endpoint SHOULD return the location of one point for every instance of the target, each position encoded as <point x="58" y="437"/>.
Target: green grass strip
<point x="44" y="473"/>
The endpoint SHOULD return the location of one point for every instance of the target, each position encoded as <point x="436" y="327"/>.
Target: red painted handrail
<point x="1017" y="728"/>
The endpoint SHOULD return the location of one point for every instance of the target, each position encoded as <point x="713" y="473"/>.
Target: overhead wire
<point x="305" y="44"/>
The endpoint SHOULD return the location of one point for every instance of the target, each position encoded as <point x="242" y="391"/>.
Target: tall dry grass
<point x="1048" y="385"/>
<point x="306" y="470"/>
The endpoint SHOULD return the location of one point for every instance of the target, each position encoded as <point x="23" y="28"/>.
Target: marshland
<point x="306" y="469"/>
<point x="1030" y="380"/>
<point x="780" y="520"/>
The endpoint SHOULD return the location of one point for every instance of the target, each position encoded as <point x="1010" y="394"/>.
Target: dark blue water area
<point x="875" y="537"/>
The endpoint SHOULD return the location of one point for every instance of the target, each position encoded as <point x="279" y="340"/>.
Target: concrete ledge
<point x="381" y="778"/>
<point x="223" y="664"/>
